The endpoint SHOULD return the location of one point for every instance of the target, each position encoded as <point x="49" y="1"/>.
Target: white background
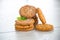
<point x="9" y="10"/>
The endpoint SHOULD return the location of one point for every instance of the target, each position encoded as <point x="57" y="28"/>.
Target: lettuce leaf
<point x="21" y="18"/>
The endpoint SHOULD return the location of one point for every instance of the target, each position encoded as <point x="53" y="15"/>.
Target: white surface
<point x="31" y="35"/>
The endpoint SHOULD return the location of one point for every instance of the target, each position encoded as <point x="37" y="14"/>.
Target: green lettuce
<point x="21" y="18"/>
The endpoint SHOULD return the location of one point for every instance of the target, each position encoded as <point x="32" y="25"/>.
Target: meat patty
<point x="27" y="11"/>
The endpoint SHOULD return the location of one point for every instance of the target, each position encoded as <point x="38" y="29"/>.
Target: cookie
<point x="24" y="28"/>
<point x="41" y="16"/>
<point x="27" y="11"/>
<point x="44" y="27"/>
<point x="25" y="22"/>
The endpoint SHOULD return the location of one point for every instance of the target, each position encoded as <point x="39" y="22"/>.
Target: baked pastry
<point x="24" y="25"/>
<point x="24" y="28"/>
<point x="44" y="27"/>
<point x="41" y="16"/>
<point x="29" y="19"/>
<point x="27" y="11"/>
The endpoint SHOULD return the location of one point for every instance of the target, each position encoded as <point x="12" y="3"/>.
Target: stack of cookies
<point x="24" y="25"/>
<point x="29" y="14"/>
<point x="29" y="20"/>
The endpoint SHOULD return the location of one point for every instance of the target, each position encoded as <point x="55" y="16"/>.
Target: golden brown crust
<point x="24" y="28"/>
<point x="44" y="27"/>
<point x="24" y="25"/>
<point x="41" y="16"/>
<point x="25" y="22"/>
<point x="27" y="11"/>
